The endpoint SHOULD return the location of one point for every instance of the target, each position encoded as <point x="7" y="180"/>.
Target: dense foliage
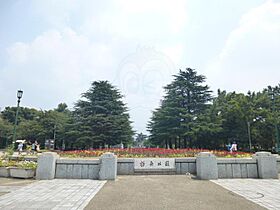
<point x="190" y="116"/>
<point x="99" y="119"/>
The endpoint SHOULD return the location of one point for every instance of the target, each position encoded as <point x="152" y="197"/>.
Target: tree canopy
<point x="189" y="115"/>
<point x="102" y="117"/>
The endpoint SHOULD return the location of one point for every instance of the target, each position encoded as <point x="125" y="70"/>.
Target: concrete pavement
<point x="265" y="192"/>
<point x="140" y="192"/>
<point x="164" y="192"/>
<point x="57" y="194"/>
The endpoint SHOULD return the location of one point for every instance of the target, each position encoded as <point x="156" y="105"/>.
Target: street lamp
<point x="275" y="123"/>
<point x="249" y="135"/>
<point x="249" y="123"/>
<point x="19" y="96"/>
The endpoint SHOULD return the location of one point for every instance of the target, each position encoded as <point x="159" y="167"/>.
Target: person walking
<point x="20" y="146"/>
<point x="37" y="147"/>
<point x="33" y="147"/>
<point x="233" y="147"/>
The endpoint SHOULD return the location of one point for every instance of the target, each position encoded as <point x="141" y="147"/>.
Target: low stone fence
<point x="204" y="166"/>
<point x="182" y="166"/>
<point x="185" y="165"/>
<point x="77" y="169"/>
<point x="237" y="168"/>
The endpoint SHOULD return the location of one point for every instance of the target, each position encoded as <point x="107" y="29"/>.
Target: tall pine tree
<point x="181" y="114"/>
<point x="102" y="117"/>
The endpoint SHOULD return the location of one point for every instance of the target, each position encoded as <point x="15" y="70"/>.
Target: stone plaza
<point x="57" y="194"/>
<point x="141" y="192"/>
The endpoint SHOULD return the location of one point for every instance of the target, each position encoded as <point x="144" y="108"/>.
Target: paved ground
<point x="58" y="194"/>
<point x="166" y="192"/>
<point x="8" y="185"/>
<point x="140" y="192"/>
<point x="265" y="192"/>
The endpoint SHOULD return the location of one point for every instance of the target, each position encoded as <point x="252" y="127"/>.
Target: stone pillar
<point x="46" y="165"/>
<point x="267" y="165"/>
<point x="108" y="166"/>
<point x="206" y="166"/>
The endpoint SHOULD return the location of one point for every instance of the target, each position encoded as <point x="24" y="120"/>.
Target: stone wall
<point x="185" y="165"/>
<point x="125" y="166"/>
<point x="205" y="166"/>
<point x="77" y="169"/>
<point x="237" y="168"/>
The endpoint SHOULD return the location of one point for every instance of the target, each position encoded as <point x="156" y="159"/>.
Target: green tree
<point x="102" y="117"/>
<point x="180" y="116"/>
<point x="5" y="132"/>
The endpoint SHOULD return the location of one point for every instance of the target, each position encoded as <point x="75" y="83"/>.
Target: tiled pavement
<point x="265" y="192"/>
<point x="57" y="194"/>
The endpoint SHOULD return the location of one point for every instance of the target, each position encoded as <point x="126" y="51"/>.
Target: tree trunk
<point x="179" y="140"/>
<point x="185" y="142"/>
<point x="170" y="144"/>
<point x="175" y="141"/>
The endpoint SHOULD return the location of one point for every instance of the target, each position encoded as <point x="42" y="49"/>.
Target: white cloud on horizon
<point x="250" y="57"/>
<point x="59" y="64"/>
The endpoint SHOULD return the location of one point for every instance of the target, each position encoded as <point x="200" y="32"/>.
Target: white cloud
<point x="140" y="20"/>
<point x="250" y="57"/>
<point x="90" y="40"/>
<point x="58" y="64"/>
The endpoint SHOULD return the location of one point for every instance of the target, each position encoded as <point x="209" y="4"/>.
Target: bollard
<point x="267" y="165"/>
<point x="206" y="166"/>
<point x="46" y="165"/>
<point x="108" y="166"/>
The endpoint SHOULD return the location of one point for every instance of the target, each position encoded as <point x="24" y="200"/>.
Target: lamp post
<point x="275" y="123"/>
<point x="249" y="135"/>
<point x="19" y="95"/>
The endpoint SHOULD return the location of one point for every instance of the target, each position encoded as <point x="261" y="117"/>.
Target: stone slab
<point x="222" y="172"/>
<point x="267" y="165"/>
<point x="154" y="163"/>
<point x="185" y="160"/>
<point x="46" y="165"/>
<point x="252" y="170"/>
<point x="229" y="170"/>
<point x="125" y="168"/>
<point x="206" y="166"/>
<point x="108" y="167"/>
<point x="78" y="161"/>
<point x="236" y="170"/>
<point x="244" y="173"/>
<point x="93" y="171"/>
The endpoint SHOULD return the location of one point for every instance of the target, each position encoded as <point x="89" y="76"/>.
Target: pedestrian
<point x="37" y="147"/>
<point x="228" y="146"/>
<point x="33" y="147"/>
<point x="20" y="146"/>
<point x="28" y="148"/>
<point x="233" y="147"/>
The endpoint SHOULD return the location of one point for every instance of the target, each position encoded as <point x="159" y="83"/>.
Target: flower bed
<point x="151" y="152"/>
<point x="19" y="169"/>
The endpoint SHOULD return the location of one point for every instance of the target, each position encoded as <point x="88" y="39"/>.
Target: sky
<point x="53" y="50"/>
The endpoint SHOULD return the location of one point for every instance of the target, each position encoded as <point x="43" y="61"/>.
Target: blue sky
<point x="53" y="50"/>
